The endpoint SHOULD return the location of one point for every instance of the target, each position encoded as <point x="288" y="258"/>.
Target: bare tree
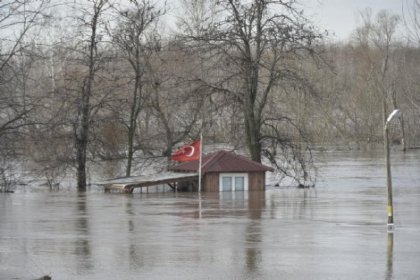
<point x="21" y="17"/>
<point x="175" y="100"/>
<point x="377" y="37"/>
<point x="258" y="45"/>
<point x="84" y="106"/>
<point x="17" y="18"/>
<point x="411" y="17"/>
<point x="131" y="37"/>
<point x="196" y="15"/>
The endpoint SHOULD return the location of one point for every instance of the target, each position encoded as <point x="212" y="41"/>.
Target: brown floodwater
<point x="334" y="231"/>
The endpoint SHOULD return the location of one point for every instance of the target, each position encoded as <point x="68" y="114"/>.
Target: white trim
<point x="233" y="176"/>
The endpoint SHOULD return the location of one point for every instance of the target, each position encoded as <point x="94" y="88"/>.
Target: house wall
<point x="256" y="181"/>
<point x="211" y="182"/>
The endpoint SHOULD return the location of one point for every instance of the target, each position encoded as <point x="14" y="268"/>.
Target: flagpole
<point x="200" y="162"/>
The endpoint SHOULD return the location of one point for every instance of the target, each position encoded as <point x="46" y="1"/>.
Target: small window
<point x="226" y="184"/>
<point x="239" y="183"/>
<point x="233" y="182"/>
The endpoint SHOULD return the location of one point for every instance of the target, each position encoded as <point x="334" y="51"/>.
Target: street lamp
<point x="390" y="209"/>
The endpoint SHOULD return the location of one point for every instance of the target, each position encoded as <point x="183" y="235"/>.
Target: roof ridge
<point x="216" y="155"/>
<point x="247" y="159"/>
<point x="210" y="157"/>
<point x="222" y="160"/>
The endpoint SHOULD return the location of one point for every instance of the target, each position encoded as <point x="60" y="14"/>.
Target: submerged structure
<point x="222" y="171"/>
<point x="227" y="171"/>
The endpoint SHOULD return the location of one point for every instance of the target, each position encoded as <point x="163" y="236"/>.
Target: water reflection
<point x="295" y="203"/>
<point x="135" y="256"/>
<point x="82" y="245"/>
<point x="169" y="232"/>
<point x="390" y="257"/>
<point x="130" y="214"/>
<point x="256" y="204"/>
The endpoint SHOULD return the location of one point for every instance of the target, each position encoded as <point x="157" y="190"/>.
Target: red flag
<point x="188" y="152"/>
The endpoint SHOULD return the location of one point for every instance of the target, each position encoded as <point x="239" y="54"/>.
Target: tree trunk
<point x="252" y="130"/>
<point x="130" y="151"/>
<point x="252" y="119"/>
<point x="82" y="134"/>
<point x="135" y="110"/>
<point x="82" y="129"/>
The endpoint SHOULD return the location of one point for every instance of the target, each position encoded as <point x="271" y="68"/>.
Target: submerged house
<point x="224" y="171"/>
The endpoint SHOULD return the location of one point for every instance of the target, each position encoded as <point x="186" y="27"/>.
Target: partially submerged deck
<point x="128" y="184"/>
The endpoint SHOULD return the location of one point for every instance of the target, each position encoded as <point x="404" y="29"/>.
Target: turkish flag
<point x="188" y="152"/>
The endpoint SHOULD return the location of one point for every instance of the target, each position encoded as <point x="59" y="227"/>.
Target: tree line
<point x="101" y="80"/>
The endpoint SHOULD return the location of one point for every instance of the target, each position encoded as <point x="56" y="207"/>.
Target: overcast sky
<point x="341" y="16"/>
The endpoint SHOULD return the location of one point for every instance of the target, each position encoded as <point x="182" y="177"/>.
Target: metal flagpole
<point x="200" y="161"/>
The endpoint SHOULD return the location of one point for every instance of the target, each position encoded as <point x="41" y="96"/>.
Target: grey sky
<point x="341" y="16"/>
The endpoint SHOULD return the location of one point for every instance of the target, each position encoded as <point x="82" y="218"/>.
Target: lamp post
<point x="390" y="209"/>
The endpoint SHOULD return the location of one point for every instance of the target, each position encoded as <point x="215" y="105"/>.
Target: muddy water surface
<point x="334" y="231"/>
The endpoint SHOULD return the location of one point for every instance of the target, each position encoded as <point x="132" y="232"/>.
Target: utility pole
<point x="390" y="209"/>
<point x="200" y="162"/>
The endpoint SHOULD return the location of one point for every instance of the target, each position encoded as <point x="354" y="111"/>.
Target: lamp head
<point x="395" y="113"/>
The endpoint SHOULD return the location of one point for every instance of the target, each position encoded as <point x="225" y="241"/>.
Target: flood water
<point x="334" y="231"/>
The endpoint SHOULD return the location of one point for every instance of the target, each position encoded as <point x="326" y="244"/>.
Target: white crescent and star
<point x="190" y="154"/>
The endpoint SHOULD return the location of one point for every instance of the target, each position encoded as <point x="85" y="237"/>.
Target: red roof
<point x="222" y="161"/>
